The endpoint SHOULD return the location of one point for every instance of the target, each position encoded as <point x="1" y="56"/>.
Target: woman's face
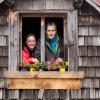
<point x="51" y="31"/>
<point x="31" y="42"/>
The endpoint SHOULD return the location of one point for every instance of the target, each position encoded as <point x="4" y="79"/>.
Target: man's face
<point x="51" y="31"/>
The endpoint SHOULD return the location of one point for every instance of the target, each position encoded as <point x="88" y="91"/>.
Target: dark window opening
<point x="31" y="25"/>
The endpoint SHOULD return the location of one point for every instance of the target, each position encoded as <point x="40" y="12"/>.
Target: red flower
<point x="48" y="62"/>
<point x="56" y="63"/>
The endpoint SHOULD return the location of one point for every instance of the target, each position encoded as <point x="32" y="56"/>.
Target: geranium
<point x="46" y="66"/>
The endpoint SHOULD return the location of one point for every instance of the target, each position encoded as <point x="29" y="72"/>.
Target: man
<point x="53" y="44"/>
<point x="53" y="52"/>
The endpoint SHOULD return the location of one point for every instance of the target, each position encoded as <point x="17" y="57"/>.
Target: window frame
<point x="66" y="15"/>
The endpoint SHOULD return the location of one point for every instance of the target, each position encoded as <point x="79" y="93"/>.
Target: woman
<point x="28" y="50"/>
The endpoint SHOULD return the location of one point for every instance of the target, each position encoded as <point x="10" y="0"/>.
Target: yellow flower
<point x="32" y="69"/>
<point x="67" y="63"/>
<point x="62" y="69"/>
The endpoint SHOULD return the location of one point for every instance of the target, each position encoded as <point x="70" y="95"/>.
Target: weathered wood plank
<point x="84" y="20"/>
<point x="80" y="61"/>
<point x="86" y="83"/>
<point x="65" y="36"/>
<point x="5" y="51"/>
<point x="92" y="51"/>
<point x="92" y="93"/>
<point x="81" y="41"/>
<point x="96" y="41"/>
<point x="1" y="94"/>
<point x="85" y="93"/>
<point x="43" y="4"/>
<point x="98" y="51"/>
<point x="84" y="61"/>
<point x="28" y="95"/>
<point x="95" y="61"/>
<point x="82" y="51"/>
<point x="13" y="47"/>
<point x="72" y="38"/>
<point x="2" y="83"/>
<point x="43" y="80"/>
<point x="97" y="93"/>
<point x="89" y="62"/>
<point x="43" y="84"/>
<point x="93" y="30"/>
<point x="3" y="61"/>
<point x="61" y="4"/>
<point x="3" y="41"/>
<point x="14" y="40"/>
<point x="42" y="39"/>
<point x="3" y="20"/>
<point x="44" y="75"/>
<point x="13" y="94"/>
<point x="49" y="4"/>
<point x="90" y="72"/>
<point x="83" y="30"/>
<point x="76" y="94"/>
<point x="88" y="41"/>
<point x="99" y="30"/>
<point x="95" y="83"/>
<point x="97" y="72"/>
<point x="1" y="51"/>
<point x="4" y="30"/>
<point x="94" y="20"/>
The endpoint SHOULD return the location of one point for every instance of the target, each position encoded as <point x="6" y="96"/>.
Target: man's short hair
<point x="50" y="24"/>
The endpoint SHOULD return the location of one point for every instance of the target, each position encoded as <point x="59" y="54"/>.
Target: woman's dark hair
<point x="28" y="35"/>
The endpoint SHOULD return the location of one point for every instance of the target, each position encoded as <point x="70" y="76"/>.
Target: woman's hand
<point x="34" y="60"/>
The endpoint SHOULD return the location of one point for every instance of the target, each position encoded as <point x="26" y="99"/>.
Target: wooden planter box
<point x="43" y="80"/>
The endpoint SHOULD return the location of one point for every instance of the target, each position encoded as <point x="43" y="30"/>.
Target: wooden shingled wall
<point x="88" y="45"/>
<point x="89" y="53"/>
<point x="28" y="5"/>
<point x="4" y="30"/>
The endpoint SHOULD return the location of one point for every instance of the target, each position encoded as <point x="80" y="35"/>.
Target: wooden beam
<point x="94" y="4"/>
<point x="43" y="84"/>
<point x="65" y="36"/>
<point x="42" y="39"/>
<point x="1" y="1"/>
<point x="43" y="75"/>
<point x="43" y="80"/>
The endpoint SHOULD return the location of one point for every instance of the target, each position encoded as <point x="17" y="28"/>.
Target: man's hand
<point x="58" y="60"/>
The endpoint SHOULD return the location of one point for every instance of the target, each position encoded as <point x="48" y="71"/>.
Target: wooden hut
<point x="80" y="23"/>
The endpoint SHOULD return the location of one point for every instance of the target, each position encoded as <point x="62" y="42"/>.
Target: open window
<point x="37" y="25"/>
<point x="23" y="23"/>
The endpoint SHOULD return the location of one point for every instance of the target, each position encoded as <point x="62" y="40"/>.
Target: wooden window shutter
<point x="13" y="48"/>
<point x="72" y="40"/>
<point x="13" y="40"/>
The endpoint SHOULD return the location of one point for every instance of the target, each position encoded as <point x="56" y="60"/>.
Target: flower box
<point x="44" y="66"/>
<point x="43" y="79"/>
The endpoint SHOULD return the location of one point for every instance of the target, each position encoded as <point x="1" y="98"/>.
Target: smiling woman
<point x="28" y="50"/>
